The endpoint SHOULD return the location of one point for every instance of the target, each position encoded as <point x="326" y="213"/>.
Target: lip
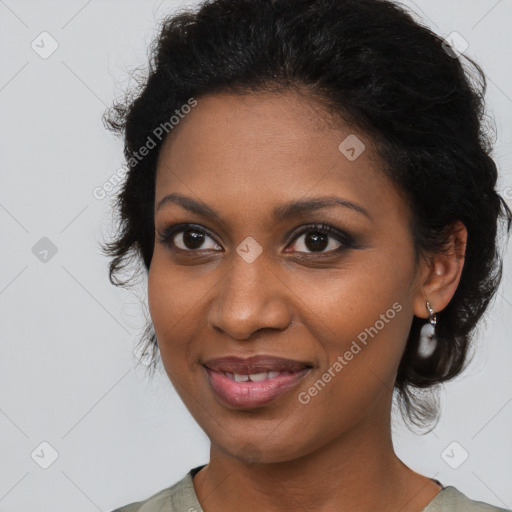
<point x="250" y="394"/>
<point x="255" y="364"/>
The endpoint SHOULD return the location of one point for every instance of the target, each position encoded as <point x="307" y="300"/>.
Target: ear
<point x="441" y="273"/>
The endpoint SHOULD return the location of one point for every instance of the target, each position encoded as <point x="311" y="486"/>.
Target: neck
<point x="358" y="469"/>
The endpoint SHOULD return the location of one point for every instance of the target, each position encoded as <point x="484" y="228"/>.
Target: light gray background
<point x="68" y="374"/>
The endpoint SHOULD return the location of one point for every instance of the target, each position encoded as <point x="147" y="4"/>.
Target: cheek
<point x="362" y="314"/>
<point x="176" y="301"/>
<point x="160" y="298"/>
<point x="348" y="300"/>
<point x="170" y="303"/>
<point x="171" y="293"/>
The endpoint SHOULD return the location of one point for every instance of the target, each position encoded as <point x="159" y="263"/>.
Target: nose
<point x="249" y="298"/>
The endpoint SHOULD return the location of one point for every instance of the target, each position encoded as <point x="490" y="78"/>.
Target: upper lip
<point x="255" y="364"/>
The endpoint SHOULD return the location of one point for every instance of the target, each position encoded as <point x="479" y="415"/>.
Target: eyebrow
<point x="281" y="212"/>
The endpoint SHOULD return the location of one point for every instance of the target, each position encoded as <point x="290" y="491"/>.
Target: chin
<point x="270" y="451"/>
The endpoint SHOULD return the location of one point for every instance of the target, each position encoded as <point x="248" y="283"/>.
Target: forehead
<point x="264" y="147"/>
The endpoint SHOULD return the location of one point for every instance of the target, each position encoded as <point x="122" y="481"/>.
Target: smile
<point x="253" y="377"/>
<point x="243" y="391"/>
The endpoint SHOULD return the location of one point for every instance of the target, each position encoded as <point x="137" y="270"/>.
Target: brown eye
<point x="316" y="242"/>
<point x="188" y="238"/>
<point x="321" y="239"/>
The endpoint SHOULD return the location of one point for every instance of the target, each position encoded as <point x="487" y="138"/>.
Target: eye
<point x="187" y="237"/>
<point x="318" y="238"/>
<point x="321" y="238"/>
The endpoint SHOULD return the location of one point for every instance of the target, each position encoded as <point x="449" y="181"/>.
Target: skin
<point x="243" y="156"/>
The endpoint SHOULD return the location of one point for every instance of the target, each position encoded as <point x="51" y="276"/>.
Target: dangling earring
<point x="428" y="340"/>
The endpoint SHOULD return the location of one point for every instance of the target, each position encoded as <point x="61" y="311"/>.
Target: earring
<point x="428" y="340"/>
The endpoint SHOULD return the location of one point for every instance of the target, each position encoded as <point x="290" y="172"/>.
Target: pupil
<point x="319" y="239"/>
<point x="193" y="239"/>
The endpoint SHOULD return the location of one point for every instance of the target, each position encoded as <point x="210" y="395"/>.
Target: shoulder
<point x="180" y="497"/>
<point x="451" y="499"/>
<point x="155" y="503"/>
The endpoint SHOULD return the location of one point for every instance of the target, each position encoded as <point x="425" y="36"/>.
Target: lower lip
<point x="252" y="394"/>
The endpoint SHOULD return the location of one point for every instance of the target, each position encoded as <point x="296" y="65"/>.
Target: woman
<point x="312" y="195"/>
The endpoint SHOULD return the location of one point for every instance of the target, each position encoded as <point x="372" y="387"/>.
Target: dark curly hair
<point x="380" y="71"/>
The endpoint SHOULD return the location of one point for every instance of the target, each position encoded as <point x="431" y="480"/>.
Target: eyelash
<point x="166" y="236"/>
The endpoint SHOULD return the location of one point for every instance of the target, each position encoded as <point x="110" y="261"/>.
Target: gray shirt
<point x="181" y="497"/>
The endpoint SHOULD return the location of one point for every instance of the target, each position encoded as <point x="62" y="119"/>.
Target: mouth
<point x="255" y="365"/>
<point x="254" y="377"/>
<point x="253" y="382"/>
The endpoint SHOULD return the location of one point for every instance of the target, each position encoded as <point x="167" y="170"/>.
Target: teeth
<point x="253" y="377"/>
<point x="256" y="377"/>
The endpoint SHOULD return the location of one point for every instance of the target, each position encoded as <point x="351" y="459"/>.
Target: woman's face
<point x="257" y="278"/>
